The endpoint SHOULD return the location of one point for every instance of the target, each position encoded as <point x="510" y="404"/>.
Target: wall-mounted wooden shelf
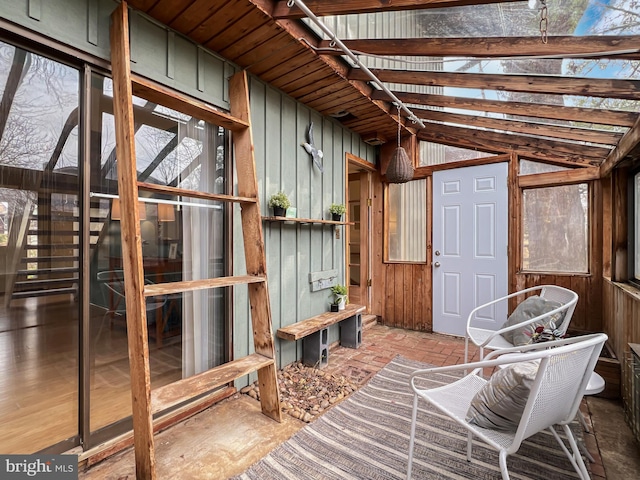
<point x="304" y="220"/>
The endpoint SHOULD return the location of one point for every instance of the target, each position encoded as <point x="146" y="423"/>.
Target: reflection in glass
<point x="39" y="245"/>
<point x="182" y="239"/>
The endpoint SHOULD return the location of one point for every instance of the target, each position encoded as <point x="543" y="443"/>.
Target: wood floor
<point x="39" y="374"/>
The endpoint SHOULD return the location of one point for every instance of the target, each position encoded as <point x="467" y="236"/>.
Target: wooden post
<point x="254" y="246"/>
<point x="132" y="247"/>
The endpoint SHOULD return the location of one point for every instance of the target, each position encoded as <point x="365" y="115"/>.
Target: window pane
<point x="555" y="229"/>
<point x="407" y="222"/>
<point x="636" y="237"/>
<point x="528" y="167"/>
<point x="436" y="154"/>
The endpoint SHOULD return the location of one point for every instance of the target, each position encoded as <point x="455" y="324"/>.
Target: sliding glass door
<point x="39" y="252"/>
<point x="64" y="368"/>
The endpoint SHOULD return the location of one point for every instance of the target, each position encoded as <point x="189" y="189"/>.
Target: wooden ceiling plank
<point x="224" y="20"/>
<point x="596" y="87"/>
<point x="322" y="8"/>
<point x="629" y="145"/>
<point x="237" y="46"/>
<point x="289" y="58"/>
<point x="617" y="118"/>
<point x="311" y="85"/>
<point x="332" y="104"/>
<point x="165" y="12"/>
<point x="260" y="51"/>
<point x="320" y="77"/>
<point x="252" y="26"/>
<point x="287" y="80"/>
<point x="488" y="47"/>
<point x="537" y="129"/>
<point x="330" y="89"/>
<point x="193" y="15"/>
<point x="283" y="70"/>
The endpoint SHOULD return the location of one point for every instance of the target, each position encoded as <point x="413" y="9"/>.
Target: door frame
<point x="354" y="165"/>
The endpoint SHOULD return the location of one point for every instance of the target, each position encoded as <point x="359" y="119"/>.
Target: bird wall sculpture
<point x="309" y="146"/>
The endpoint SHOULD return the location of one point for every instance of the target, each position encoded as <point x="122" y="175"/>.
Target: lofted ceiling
<point x="519" y="109"/>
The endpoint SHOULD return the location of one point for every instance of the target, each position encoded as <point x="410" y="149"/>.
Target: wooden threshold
<point x="191" y="285"/>
<point x="150" y="187"/>
<point x="187" y="388"/>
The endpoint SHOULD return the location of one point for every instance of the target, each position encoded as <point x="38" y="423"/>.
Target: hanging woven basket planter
<point x="400" y="169"/>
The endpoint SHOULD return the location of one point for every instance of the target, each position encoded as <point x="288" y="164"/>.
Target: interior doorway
<point x="470" y="231"/>
<point x="358" y="195"/>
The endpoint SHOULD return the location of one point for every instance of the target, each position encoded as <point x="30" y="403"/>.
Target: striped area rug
<point x="367" y="437"/>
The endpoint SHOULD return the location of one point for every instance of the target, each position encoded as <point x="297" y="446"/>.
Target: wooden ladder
<point x="144" y="402"/>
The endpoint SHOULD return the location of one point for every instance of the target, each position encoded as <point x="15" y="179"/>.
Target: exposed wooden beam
<point x="617" y="118"/>
<point x="528" y="128"/>
<point x="322" y="8"/>
<point x="628" y="147"/>
<point x="427" y="170"/>
<point x="487" y="47"/>
<point x="596" y="87"/>
<point x="564" y="177"/>
<point x="549" y="151"/>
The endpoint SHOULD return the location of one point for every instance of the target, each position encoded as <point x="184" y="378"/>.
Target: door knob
<point x="437" y="264"/>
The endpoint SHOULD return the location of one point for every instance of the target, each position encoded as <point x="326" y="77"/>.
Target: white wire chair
<point x="493" y="339"/>
<point x="563" y="371"/>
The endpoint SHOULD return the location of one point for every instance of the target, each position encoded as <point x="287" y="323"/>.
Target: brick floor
<point x="380" y="344"/>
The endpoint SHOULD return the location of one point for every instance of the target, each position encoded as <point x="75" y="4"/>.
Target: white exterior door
<point x="469" y="245"/>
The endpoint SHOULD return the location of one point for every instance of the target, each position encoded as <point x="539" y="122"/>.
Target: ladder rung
<point x="151" y="187"/>
<point x="190" y="285"/>
<point x="188" y="388"/>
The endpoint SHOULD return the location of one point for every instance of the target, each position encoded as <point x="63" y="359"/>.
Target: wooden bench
<point x="314" y="333"/>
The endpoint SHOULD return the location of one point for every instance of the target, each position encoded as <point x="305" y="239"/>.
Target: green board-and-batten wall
<point x="295" y="250"/>
<point x="279" y="127"/>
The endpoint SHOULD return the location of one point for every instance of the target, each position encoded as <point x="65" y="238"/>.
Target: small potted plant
<point x="337" y="210"/>
<point x="279" y="202"/>
<point x="340" y="299"/>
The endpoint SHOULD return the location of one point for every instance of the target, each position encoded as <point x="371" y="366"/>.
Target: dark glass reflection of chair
<point x="112" y="285"/>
